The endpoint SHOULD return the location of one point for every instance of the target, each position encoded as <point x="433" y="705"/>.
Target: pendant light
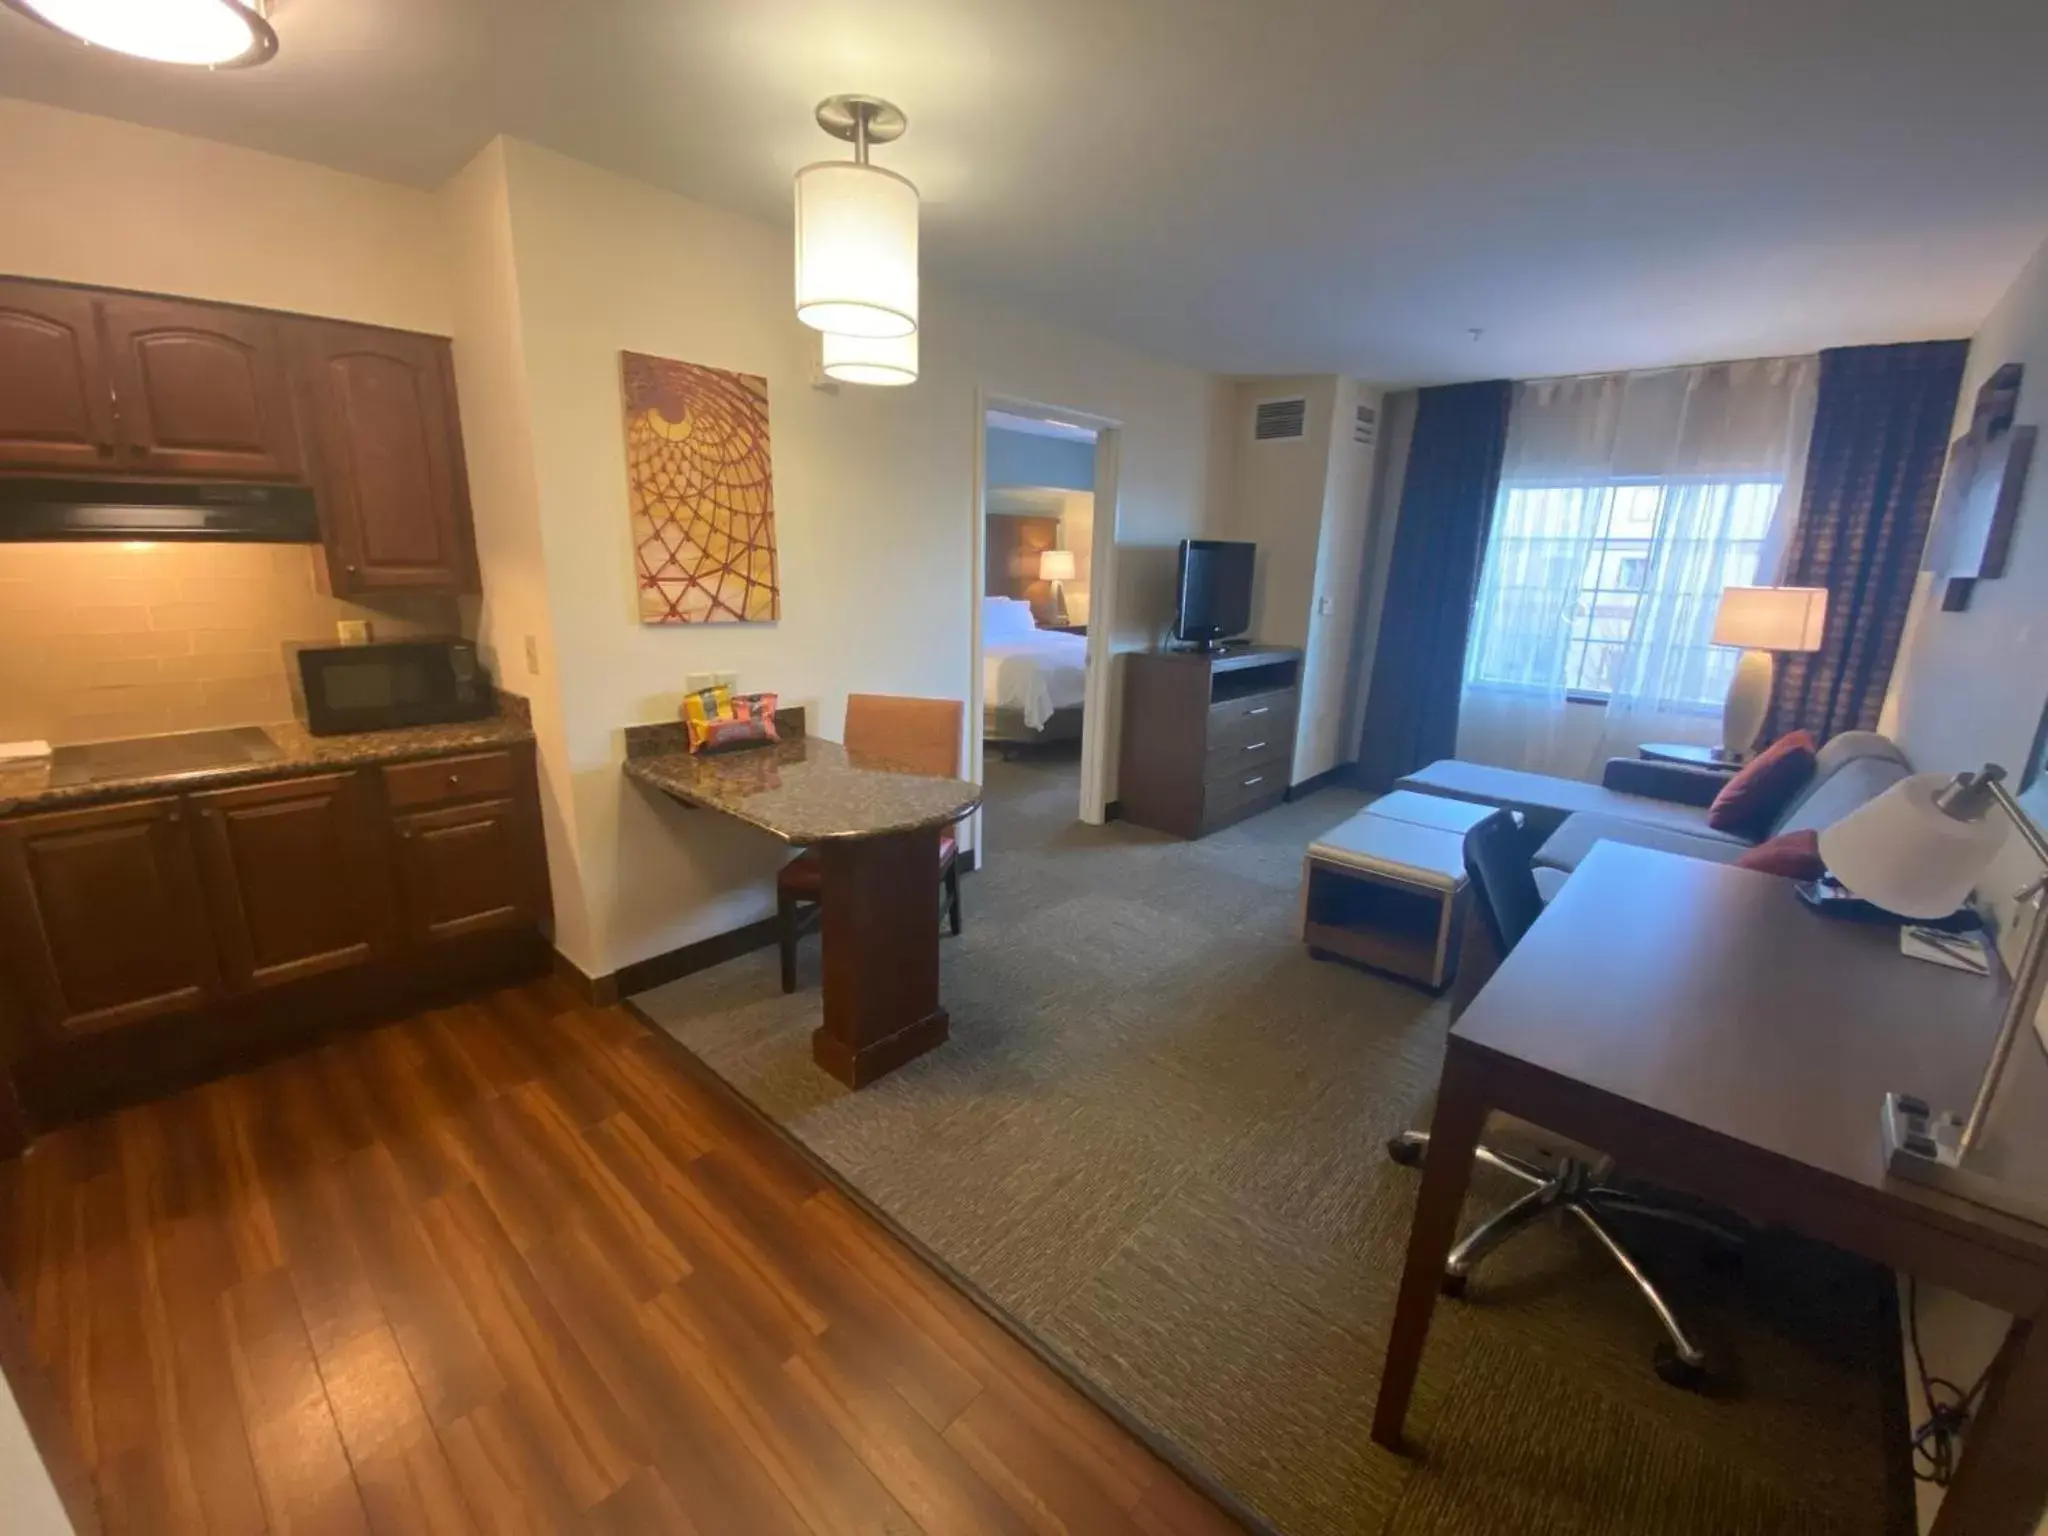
<point x="856" y="229"/>
<point x="212" y="34"/>
<point x="869" y="359"/>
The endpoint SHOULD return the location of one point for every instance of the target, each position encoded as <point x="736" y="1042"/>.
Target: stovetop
<point x="161" y="757"/>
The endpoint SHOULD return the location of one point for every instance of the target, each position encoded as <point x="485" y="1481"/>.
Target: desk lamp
<point x="1917" y="850"/>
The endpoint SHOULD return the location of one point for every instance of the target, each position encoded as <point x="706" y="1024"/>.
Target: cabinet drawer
<point x="1228" y="799"/>
<point x="1274" y="743"/>
<point x="443" y="779"/>
<point x="1263" y="716"/>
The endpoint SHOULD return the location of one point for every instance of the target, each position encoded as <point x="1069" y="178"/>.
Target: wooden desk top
<point x="1712" y="995"/>
<point x="803" y="790"/>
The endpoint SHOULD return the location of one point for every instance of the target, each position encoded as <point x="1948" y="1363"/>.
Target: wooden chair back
<point x="915" y="735"/>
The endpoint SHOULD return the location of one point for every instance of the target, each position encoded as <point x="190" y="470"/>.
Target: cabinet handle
<point x="1255" y="746"/>
<point x="455" y="778"/>
<point x="174" y="814"/>
<point x="350" y="569"/>
<point x="1263" y="709"/>
<point x="405" y="831"/>
<point x="1257" y="778"/>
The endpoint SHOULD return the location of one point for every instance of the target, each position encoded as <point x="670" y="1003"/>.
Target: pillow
<point x="720" y="719"/>
<point x="1758" y="795"/>
<point x="1006" y="618"/>
<point x="1795" y="855"/>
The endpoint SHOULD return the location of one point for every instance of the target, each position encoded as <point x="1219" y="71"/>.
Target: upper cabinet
<point x="387" y="457"/>
<point x="200" y="390"/>
<point x="106" y="383"/>
<point x="56" y="404"/>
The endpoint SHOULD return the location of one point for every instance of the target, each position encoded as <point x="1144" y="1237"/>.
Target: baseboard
<point x="671" y="965"/>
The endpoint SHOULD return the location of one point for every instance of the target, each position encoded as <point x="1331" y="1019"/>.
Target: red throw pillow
<point x="1751" y="801"/>
<point x="1795" y="855"/>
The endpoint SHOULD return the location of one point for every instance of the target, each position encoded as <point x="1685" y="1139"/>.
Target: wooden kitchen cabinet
<point x="295" y="880"/>
<point x="102" y="922"/>
<point x="387" y="461"/>
<point x="465" y="869"/>
<point x="200" y="390"/>
<point x="56" y="402"/>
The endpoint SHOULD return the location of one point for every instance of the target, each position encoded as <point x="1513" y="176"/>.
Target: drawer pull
<point x="454" y="778"/>
<point x="1263" y="709"/>
<point x="1257" y="778"/>
<point x="1255" y="746"/>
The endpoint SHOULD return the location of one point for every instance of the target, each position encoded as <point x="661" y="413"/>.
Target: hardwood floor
<point x="511" y="1267"/>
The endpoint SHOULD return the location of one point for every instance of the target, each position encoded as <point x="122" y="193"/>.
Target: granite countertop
<point x="802" y="789"/>
<point x="27" y="787"/>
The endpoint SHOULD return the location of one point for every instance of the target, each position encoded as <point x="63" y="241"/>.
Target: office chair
<point x="1506" y="902"/>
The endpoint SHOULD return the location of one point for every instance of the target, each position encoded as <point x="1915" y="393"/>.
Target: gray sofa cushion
<point x="1570" y="843"/>
<point x="1546" y="801"/>
<point x="1832" y="796"/>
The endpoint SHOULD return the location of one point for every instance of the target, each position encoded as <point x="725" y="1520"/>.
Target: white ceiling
<point x="1254" y="185"/>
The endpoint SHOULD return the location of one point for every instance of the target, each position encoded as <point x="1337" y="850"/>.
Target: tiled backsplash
<point x="101" y="640"/>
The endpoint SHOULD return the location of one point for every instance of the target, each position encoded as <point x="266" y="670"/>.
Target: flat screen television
<point x="1214" y="591"/>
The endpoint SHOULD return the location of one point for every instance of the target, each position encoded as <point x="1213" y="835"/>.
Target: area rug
<point x="1154" y="1142"/>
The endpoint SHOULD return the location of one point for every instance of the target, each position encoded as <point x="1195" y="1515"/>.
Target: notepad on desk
<point x="1958" y="951"/>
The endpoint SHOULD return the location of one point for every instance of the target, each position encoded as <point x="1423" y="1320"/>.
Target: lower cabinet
<point x="149" y="942"/>
<point x="101" y="919"/>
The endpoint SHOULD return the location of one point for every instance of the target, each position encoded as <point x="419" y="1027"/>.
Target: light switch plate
<point x="352" y="631"/>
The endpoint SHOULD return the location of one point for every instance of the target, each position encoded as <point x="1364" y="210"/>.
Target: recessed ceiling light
<point x="214" y="34"/>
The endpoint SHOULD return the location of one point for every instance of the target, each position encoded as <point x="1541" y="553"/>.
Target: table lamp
<point x="1917" y="850"/>
<point x="1762" y="620"/>
<point x="1057" y="566"/>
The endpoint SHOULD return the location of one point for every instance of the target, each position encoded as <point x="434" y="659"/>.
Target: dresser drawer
<point x="442" y="779"/>
<point x="1273" y="742"/>
<point x="1262" y="717"/>
<point x="1238" y="795"/>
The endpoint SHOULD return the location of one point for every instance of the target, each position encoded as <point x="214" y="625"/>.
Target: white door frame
<point x="1097" y="739"/>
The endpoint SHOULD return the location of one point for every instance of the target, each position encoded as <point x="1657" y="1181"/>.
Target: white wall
<point x="26" y="1492"/>
<point x="1339" y="586"/>
<point x="90" y="200"/>
<point x="1969" y="688"/>
<point x="874" y="494"/>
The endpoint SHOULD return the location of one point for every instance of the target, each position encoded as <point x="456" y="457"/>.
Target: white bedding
<point x="1035" y="671"/>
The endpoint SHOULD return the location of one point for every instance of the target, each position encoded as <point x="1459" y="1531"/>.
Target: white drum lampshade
<point x="856" y="250"/>
<point x="1902" y="852"/>
<point x="1056" y="565"/>
<point x="1762" y="620"/>
<point x="886" y="360"/>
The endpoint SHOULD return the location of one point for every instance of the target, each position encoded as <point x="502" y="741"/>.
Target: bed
<point x="1033" y="680"/>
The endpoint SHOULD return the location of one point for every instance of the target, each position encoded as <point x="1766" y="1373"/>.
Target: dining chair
<point x="889" y="731"/>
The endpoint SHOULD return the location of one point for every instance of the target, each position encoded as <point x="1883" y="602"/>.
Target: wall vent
<point x="1367" y="427"/>
<point x="1280" y="421"/>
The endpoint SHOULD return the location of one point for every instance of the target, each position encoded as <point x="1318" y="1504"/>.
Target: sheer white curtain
<point x="1627" y="501"/>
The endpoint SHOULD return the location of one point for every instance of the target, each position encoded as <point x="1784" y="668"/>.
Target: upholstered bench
<point x="1386" y="888"/>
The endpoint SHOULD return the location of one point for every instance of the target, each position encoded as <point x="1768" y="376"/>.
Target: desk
<point x="1700" y="1025"/>
<point x="877" y="830"/>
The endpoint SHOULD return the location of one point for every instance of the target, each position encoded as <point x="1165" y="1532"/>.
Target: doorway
<point x="1044" y="574"/>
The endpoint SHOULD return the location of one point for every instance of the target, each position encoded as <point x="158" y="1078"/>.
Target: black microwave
<point x="387" y="684"/>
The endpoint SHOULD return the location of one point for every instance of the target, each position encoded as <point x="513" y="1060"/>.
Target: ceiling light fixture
<point x="869" y="359"/>
<point x="214" y="34"/>
<point x="856" y="229"/>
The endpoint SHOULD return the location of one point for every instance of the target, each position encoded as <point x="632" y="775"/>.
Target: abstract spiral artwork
<point x="701" y="493"/>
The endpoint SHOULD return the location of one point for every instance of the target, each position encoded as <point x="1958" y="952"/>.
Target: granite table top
<point x="26" y="787"/>
<point x="803" y="789"/>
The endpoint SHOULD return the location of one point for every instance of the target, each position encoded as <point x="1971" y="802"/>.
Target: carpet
<point x="1154" y="1141"/>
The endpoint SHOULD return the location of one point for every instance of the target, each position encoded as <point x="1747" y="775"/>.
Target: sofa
<point x="1659" y="805"/>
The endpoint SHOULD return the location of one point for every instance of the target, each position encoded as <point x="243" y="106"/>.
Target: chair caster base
<point x="1405" y="1152"/>
<point x="1674" y="1370"/>
<point x="1452" y="1285"/>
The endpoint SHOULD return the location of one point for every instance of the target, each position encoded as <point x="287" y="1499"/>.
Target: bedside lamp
<point x="1918" y="849"/>
<point x="1057" y="566"/>
<point x="1762" y="620"/>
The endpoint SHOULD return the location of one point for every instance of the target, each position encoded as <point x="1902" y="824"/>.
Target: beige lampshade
<point x="885" y="360"/>
<point x="1772" y="618"/>
<point x="1056" y="565"/>
<point x="856" y="250"/>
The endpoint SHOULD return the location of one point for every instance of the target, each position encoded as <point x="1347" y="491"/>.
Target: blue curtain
<point x="1447" y="497"/>
<point x="1880" y="438"/>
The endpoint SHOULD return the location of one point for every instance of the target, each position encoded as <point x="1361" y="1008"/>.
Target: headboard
<point x="1015" y="542"/>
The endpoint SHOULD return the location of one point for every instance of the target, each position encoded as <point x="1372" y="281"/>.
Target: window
<point x="1573" y="572"/>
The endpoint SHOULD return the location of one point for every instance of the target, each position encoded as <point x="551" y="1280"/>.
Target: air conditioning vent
<point x="1366" y="427"/>
<point x="1280" y="421"/>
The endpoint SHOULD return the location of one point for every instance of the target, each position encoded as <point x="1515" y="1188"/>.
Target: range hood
<point x="40" y="511"/>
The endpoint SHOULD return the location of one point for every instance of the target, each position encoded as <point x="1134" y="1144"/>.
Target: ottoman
<point x="1386" y="888"/>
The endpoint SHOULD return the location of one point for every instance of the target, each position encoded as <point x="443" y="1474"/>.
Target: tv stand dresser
<point x="1208" y="735"/>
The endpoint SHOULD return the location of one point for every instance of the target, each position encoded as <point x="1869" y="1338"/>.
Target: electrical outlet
<point x="697" y="682"/>
<point x="727" y="680"/>
<point x="533" y="655"/>
<point x="1323" y="606"/>
<point x="352" y="631"/>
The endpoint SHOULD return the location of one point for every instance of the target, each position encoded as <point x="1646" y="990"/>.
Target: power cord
<point x="1938" y="1440"/>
